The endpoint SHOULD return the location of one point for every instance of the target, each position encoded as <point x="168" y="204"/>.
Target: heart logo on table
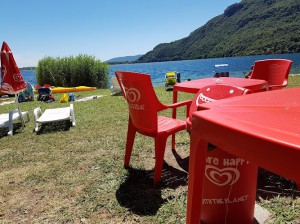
<point x="222" y="177"/>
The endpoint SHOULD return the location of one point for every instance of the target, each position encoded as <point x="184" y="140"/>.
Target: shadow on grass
<point x="54" y="127"/>
<point x="17" y="127"/>
<point x="141" y="196"/>
<point x="117" y="94"/>
<point x="270" y="185"/>
<point x="3" y="132"/>
<point x="182" y="162"/>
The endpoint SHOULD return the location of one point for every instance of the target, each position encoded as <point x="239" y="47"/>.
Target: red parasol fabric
<point x="12" y="80"/>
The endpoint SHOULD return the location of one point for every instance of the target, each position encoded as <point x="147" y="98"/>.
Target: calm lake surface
<point x="191" y="69"/>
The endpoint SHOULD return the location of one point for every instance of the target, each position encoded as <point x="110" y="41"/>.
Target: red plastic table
<point x="193" y="86"/>
<point x="256" y="85"/>
<point x="263" y="128"/>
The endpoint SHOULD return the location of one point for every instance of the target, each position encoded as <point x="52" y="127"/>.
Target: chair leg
<point x="160" y="146"/>
<point x="37" y="112"/>
<point x="173" y="141"/>
<point x="131" y="132"/>
<point x="72" y="115"/>
<point x="10" y="122"/>
<point x="36" y="129"/>
<point x="10" y="126"/>
<point x="27" y="116"/>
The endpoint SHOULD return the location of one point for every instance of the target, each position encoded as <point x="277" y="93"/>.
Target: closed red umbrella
<point x="12" y="80"/>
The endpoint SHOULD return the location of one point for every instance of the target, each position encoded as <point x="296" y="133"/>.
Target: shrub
<point x="82" y="70"/>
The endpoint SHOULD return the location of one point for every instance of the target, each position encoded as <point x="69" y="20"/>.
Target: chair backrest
<point x="115" y="85"/>
<point x="142" y="101"/>
<point x="215" y="92"/>
<point x="275" y="71"/>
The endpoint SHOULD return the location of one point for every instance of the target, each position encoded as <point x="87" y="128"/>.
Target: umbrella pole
<point x="20" y="113"/>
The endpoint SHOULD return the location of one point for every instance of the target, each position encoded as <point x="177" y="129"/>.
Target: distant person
<point x="178" y="77"/>
<point x="217" y="75"/>
<point x="221" y="74"/>
<point x="27" y="94"/>
<point x="247" y="75"/>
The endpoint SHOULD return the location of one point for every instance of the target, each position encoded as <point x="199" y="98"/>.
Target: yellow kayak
<point x="69" y="89"/>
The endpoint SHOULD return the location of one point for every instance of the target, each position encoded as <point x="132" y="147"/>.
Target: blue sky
<point x="103" y="28"/>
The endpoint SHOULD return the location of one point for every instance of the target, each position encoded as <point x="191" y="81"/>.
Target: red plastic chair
<point x="275" y="71"/>
<point x="211" y="93"/>
<point x="144" y="106"/>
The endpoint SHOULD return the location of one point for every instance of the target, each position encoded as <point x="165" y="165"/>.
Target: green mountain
<point x="124" y="59"/>
<point x="251" y="27"/>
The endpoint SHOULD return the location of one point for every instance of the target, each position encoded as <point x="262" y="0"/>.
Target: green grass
<point x="77" y="175"/>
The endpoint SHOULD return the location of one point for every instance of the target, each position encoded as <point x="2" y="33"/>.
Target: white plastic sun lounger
<point x="6" y="120"/>
<point x="52" y="115"/>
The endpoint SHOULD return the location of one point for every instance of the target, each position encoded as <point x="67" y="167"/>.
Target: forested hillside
<point x="125" y="59"/>
<point x="251" y="27"/>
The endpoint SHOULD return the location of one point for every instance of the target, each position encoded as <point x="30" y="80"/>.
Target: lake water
<point x="191" y="69"/>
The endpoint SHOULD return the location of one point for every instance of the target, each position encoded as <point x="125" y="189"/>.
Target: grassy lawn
<point x="76" y="175"/>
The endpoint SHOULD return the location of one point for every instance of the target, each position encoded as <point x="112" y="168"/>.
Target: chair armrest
<point x="273" y="87"/>
<point x="186" y="103"/>
<point x="10" y="121"/>
<point x="179" y="104"/>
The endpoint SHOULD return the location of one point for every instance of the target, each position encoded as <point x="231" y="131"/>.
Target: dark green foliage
<point x="82" y="70"/>
<point x="231" y="10"/>
<point x="251" y="27"/>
